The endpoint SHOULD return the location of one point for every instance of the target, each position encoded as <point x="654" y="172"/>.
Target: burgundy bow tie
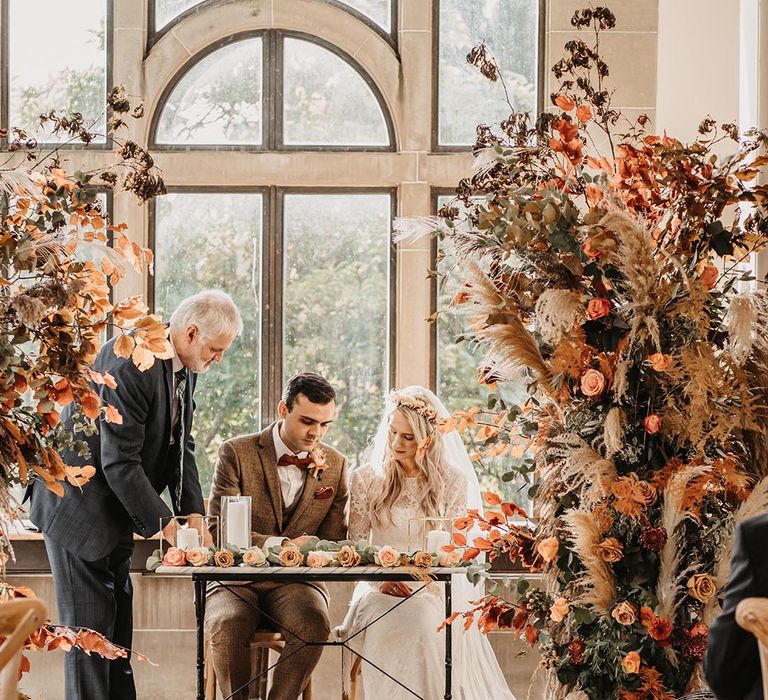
<point x="294" y="461"/>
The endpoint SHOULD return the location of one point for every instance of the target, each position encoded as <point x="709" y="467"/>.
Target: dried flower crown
<point x="416" y="404"/>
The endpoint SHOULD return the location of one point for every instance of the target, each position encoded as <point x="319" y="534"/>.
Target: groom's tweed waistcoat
<point x="247" y="465"/>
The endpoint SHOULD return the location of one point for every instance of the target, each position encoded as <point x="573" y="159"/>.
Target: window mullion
<point x="272" y="301"/>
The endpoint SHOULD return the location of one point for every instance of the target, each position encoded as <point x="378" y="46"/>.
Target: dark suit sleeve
<point x="334" y="525"/>
<point x="191" y="493"/>
<point x="732" y="663"/>
<point x="121" y="447"/>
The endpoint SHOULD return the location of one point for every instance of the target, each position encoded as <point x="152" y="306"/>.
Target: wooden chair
<point x="752" y="615"/>
<point x="18" y="619"/>
<point x="263" y="641"/>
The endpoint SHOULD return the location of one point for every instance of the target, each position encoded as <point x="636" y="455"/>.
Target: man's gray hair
<point x="212" y="311"/>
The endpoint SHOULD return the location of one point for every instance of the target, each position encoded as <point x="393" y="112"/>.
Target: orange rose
<point x="610" y="550"/>
<point x="174" y="557"/>
<point x="254" y="556"/>
<point x="422" y="559"/>
<point x="702" y="587"/>
<point x="588" y="248"/>
<point x="644" y="492"/>
<point x="709" y="276"/>
<point x="547" y="548"/>
<point x="592" y="383"/>
<point x="625" y="613"/>
<point x="652" y="423"/>
<point x="318" y="559"/>
<point x="647" y="615"/>
<point x="560" y="608"/>
<point x="224" y="558"/>
<point x="448" y="559"/>
<point x="597" y="308"/>
<point x="199" y="556"/>
<point x="631" y="663"/>
<point x="659" y="361"/>
<point x="291" y="556"/>
<point x="348" y="556"/>
<point x="388" y="556"/>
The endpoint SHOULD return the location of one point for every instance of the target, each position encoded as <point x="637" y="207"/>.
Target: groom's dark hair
<point x="313" y="386"/>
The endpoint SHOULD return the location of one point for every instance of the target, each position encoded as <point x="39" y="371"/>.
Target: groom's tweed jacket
<point x="247" y="466"/>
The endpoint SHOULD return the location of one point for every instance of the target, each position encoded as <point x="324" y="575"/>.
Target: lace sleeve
<point x="359" y="511"/>
<point x="456" y="503"/>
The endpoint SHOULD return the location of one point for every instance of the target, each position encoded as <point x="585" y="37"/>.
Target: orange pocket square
<point x="324" y="492"/>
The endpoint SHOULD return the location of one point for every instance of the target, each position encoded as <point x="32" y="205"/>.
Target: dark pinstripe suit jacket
<point x="134" y="464"/>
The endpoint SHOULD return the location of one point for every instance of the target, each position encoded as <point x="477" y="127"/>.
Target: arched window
<point x="323" y="100"/>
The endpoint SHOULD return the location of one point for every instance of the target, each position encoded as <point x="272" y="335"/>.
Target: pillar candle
<point x="436" y="539"/>
<point x="238" y="524"/>
<point x="187" y="538"/>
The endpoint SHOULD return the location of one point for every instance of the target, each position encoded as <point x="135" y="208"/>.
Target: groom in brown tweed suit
<point x="290" y="503"/>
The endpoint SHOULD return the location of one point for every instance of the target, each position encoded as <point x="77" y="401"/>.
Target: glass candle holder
<point x="236" y="521"/>
<point x="190" y="532"/>
<point x="429" y="534"/>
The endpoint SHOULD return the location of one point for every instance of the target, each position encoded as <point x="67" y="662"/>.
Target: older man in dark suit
<point x="89" y="533"/>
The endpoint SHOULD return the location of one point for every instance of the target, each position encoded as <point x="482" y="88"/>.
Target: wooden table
<point x="203" y="575"/>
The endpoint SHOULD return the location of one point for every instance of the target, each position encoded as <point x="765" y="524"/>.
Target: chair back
<point x="752" y="615"/>
<point x="18" y="619"/>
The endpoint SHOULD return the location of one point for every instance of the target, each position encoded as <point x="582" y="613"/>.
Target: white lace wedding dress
<point x="405" y="643"/>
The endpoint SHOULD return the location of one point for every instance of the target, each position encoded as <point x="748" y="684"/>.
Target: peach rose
<point x="547" y="548"/>
<point x="652" y="423"/>
<point x="592" y="383"/>
<point x="631" y="663"/>
<point x="224" y="558"/>
<point x="702" y="587"/>
<point x="709" y="276"/>
<point x="199" y="556"/>
<point x="644" y="492"/>
<point x="624" y="613"/>
<point x="659" y="361"/>
<point x="448" y="559"/>
<point x="174" y="557"/>
<point x="422" y="559"/>
<point x="597" y="308"/>
<point x="291" y="556"/>
<point x="348" y="556"/>
<point x="610" y="550"/>
<point x="254" y="556"/>
<point x="318" y="559"/>
<point x="589" y="249"/>
<point x="387" y="556"/>
<point x="647" y="615"/>
<point x="560" y="608"/>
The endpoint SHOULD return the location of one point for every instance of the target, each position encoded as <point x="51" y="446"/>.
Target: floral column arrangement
<point x="602" y="268"/>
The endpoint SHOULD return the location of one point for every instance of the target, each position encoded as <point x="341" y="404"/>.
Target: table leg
<point x="448" y="639"/>
<point x="200" y="589"/>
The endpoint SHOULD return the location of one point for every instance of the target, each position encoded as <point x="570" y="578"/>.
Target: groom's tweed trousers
<point x="247" y="466"/>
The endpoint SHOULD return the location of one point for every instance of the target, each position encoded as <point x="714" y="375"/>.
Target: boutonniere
<point x="319" y="464"/>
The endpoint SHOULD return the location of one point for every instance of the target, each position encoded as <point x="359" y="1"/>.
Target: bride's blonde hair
<point x="430" y="460"/>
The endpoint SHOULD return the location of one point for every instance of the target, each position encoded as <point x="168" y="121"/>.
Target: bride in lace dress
<point x="415" y="472"/>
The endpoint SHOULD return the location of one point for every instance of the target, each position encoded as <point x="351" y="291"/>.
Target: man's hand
<point x="299" y="541"/>
<point x="169" y="532"/>
<point x="395" y="588"/>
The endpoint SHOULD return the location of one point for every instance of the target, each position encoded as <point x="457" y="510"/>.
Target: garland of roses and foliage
<point x="314" y="552"/>
<point x="609" y="281"/>
<point x="59" y="255"/>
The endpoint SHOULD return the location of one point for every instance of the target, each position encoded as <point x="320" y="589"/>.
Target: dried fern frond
<point x="557" y="312"/>
<point x="670" y="584"/>
<point x="595" y="586"/>
<point x="511" y="347"/>
<point x="613" y="431"/>
<point x="413" y="228"/>
<point x="482" y="292"/>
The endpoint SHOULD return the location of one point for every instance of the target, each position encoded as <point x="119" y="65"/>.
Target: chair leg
<point x="262" y="664"/>
<point x="307" y="694"/>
